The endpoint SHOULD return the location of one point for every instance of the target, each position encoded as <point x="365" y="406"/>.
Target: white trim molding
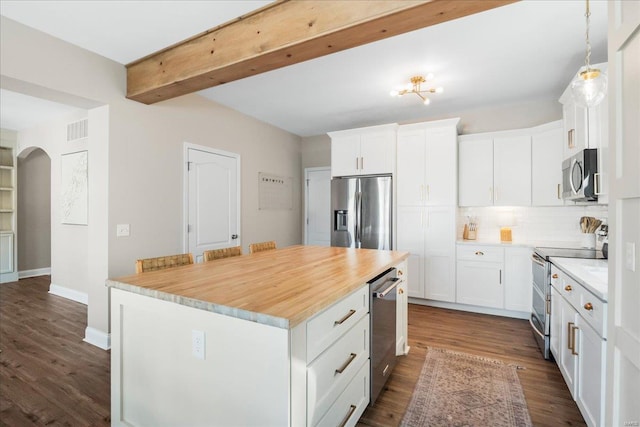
<point x="97" y="337"/>
<point x="24" y="274"/>
<point x="72" y="294"/>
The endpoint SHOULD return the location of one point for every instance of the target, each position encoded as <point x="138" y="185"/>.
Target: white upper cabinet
<point x="475" y="172"/>
<point x="427" y="164"/>
<point x="363" y="151"/>
<point x="512" y="171"/>
<point x="546" y="165"/>
<point x="495" y="169"/>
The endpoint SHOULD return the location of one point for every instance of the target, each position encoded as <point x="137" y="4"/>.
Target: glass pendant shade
<point x="589" y="88"/>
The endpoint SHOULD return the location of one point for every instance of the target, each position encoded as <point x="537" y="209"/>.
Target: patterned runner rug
<point x="458" y="389"/>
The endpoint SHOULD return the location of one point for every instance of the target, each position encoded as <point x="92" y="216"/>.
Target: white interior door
<point x="212" y="200"/>
<point x="318" y="206"/>
<point x="623" y="335"/>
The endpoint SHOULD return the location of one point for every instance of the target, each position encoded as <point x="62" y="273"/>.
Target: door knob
<point x="234" y="236"/>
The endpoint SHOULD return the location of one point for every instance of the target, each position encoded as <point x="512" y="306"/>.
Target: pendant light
<point x="590" y="85"/>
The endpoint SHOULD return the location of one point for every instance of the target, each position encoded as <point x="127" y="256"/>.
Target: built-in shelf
<point x="6" y="188"/>
<point x="6" y="167"/>
<point x="6" y="210"/>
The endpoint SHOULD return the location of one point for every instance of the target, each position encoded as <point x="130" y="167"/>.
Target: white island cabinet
<point x="278" y="338"/>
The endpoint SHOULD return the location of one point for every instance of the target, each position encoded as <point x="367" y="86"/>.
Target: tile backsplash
<point x="536" y="225"/>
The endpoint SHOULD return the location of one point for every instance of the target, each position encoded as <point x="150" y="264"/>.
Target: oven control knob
<point x="568" y="288"/>
<point x="555" y="276"/>
<point x="588" y="306"/>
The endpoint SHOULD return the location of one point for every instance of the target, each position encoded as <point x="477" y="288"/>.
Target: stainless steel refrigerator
<point x="361" y="212"/>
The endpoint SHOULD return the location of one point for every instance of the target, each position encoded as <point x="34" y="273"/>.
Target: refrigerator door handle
<point x="358" y="217"/>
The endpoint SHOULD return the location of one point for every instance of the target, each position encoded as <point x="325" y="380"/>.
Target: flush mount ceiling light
<point x="415" y="87"/>
<point x="590" y="85"/>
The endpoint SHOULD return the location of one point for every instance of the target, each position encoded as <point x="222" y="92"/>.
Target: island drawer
<point x="593" y="310"/>
<point x="333" y="370"/>
<point x="327" y="326"/>
<point x="348" y="408"/>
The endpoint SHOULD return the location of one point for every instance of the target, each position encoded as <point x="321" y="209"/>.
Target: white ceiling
<point x="526" y="51"/>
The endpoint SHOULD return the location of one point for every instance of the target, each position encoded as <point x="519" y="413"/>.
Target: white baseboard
<point x="34" y="273"/>
<point x="97" y="337"/>
<point x="471" y="308"/>
<point x="67" y="293"/>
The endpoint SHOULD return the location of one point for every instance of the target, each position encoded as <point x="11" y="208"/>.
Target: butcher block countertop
<point x="281" y="287"/>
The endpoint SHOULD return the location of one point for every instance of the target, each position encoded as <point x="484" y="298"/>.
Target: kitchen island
<point x="274" y="338"/>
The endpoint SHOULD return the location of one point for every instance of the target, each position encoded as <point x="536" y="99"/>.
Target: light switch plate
<point x="122" y="230"/>
<point x="630" y="256"/>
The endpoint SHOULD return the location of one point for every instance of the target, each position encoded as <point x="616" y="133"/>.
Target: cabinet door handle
<point x="559" y="197"/>
<point x="568" y="288"/>
<point x="352" y="409"/>
<point x="344" y="319"/>
<point x="573" y="334"/>
<point x="401" y="291"/>
<point x="361" y="163"/>
<point x="588" y="306"/>
<point x="346" y="364"/>
<point x="500" y="276"/>
<point x="570" y="138"/>
<point x="569" y="336"/>
<point x="547" y="306"/>
<point x="480" y="253"/>
<point x="428" y="192"/>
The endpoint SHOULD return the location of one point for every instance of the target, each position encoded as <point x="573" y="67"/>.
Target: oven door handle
<point x="535" y="258"/>
<point x="384" y="293"/>
<point x="535" y="329"/>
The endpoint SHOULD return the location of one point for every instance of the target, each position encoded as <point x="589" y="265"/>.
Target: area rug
<point x="458" y="389"/>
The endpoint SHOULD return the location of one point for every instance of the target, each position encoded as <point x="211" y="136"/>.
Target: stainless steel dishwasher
<point x="383" y="292"/>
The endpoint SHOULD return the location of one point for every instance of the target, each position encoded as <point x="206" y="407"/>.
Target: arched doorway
<point x="34" y="213"/>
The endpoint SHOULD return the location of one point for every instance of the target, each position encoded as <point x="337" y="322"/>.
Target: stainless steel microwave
<point x="579" y="176"/>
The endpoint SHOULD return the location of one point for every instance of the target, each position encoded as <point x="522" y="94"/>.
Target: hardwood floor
<point x="49" y="376"/>
<point x="506" y="339"/>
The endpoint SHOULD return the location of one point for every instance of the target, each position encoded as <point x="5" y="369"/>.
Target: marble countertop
<point x="590" y="273"/>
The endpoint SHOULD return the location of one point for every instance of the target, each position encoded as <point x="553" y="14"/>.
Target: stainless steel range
<point x="541" y="302"/>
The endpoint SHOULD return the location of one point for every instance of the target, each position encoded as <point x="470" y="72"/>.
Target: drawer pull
<point x="479" y="253"/>
<point x="344" y="319"/>
<point x="554" y="276"/>
<point x="352" y="409"/>
<point x="588" y="306"/>
<point x="573" y="334"/>
<point x="568" y="288"/>
<point x="346" y="364"/>
<point x="400" y="273"/>
<point x="401" y="291"/>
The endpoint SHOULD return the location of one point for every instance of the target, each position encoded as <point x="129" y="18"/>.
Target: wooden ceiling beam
<point x="281" y="34"/>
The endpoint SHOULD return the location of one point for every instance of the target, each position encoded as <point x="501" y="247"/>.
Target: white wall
<point x="135" y="165"/>
<point x="34" y="211"/>
<point x="69" y="242"/>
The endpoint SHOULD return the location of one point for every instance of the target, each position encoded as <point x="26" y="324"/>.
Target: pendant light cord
<point x="588" y="57"/>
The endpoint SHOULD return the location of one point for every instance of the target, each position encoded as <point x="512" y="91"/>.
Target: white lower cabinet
<point x="428" y="234"/>
<point x="578" y="345"/>
<point x="494" y="277"/>
<point x="6" y="253"/>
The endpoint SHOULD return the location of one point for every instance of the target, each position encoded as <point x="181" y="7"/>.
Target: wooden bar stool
<point x="262" y="246"/>
<point x="160" y="263"/>
<point x="214" y="254"/>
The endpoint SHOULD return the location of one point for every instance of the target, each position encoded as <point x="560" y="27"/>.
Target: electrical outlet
<point x="197" y="344"/>
<point x="122" y="230"/>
